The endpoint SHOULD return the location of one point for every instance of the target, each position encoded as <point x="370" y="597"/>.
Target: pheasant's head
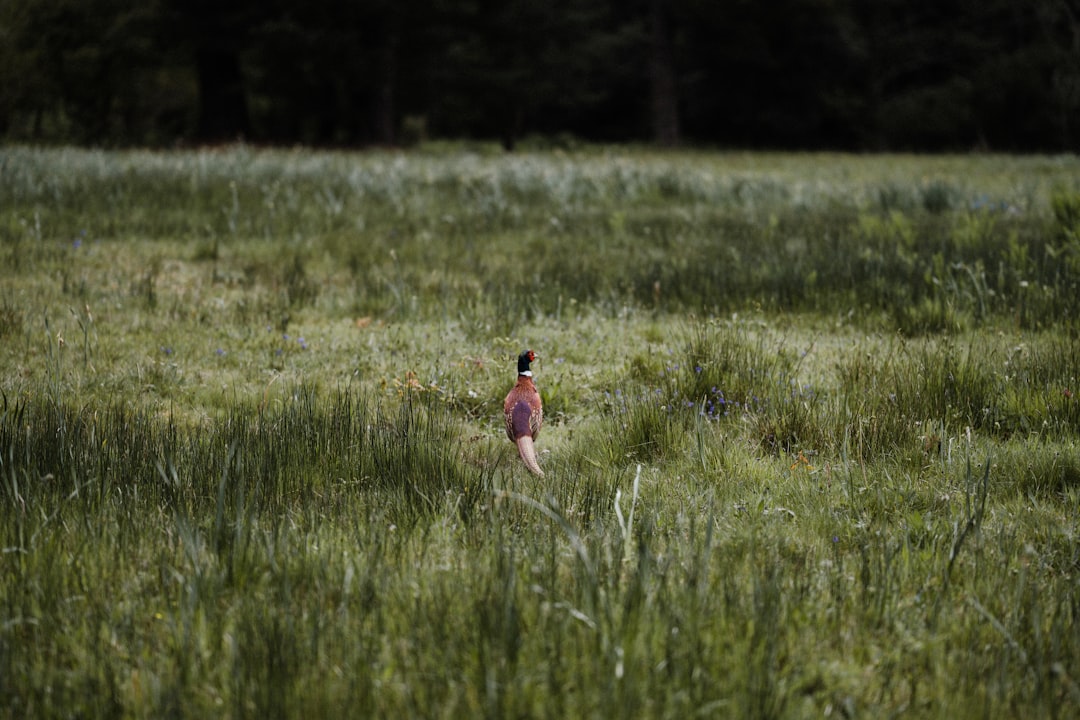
<point x="524" y="359"/>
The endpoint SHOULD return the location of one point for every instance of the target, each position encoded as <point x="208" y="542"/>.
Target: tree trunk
<point x="386" y="87"/>
<point x="223" y="111"/>
<point x="512" y="126"/>
<point x="664" y="92"/>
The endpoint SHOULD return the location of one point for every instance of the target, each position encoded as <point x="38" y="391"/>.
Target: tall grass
<point x="809" y="442"/>
<point x="274" y="577"/>
<point x="696" y="233"/>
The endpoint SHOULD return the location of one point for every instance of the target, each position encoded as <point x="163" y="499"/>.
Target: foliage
<point x="892" y="74"/>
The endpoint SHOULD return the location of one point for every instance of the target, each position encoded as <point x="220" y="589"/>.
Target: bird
<point x="524" y="413"/>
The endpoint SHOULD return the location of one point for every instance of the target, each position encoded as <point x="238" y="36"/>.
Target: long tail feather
<point x="528" y="454"/>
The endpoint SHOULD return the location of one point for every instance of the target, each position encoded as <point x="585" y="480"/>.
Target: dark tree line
<point x="851" y="74"/>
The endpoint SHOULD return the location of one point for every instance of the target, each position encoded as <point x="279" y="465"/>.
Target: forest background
<point x="901" y="75"/>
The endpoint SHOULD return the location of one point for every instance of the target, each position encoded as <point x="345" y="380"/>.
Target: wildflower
<point x="409" y="385"/>
<point x="220" y="352"/>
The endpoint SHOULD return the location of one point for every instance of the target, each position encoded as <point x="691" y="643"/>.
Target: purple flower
<point x="220" y="352"/>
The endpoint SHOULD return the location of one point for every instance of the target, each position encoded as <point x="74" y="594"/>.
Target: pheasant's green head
<point x="524" y="359"/>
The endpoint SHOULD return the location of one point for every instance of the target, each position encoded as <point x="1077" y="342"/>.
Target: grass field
<point x="811" y="434"/>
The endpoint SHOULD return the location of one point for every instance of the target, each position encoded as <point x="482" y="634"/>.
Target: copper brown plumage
<point x="524" y="413"/>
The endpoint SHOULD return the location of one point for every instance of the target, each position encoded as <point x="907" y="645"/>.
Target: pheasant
<point x="524" y="413"/>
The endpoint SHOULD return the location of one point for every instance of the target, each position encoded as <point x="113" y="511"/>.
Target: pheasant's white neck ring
<point x="525" y="373"/>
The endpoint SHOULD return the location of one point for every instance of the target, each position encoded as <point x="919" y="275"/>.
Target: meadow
<point x="810" y="442"/>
